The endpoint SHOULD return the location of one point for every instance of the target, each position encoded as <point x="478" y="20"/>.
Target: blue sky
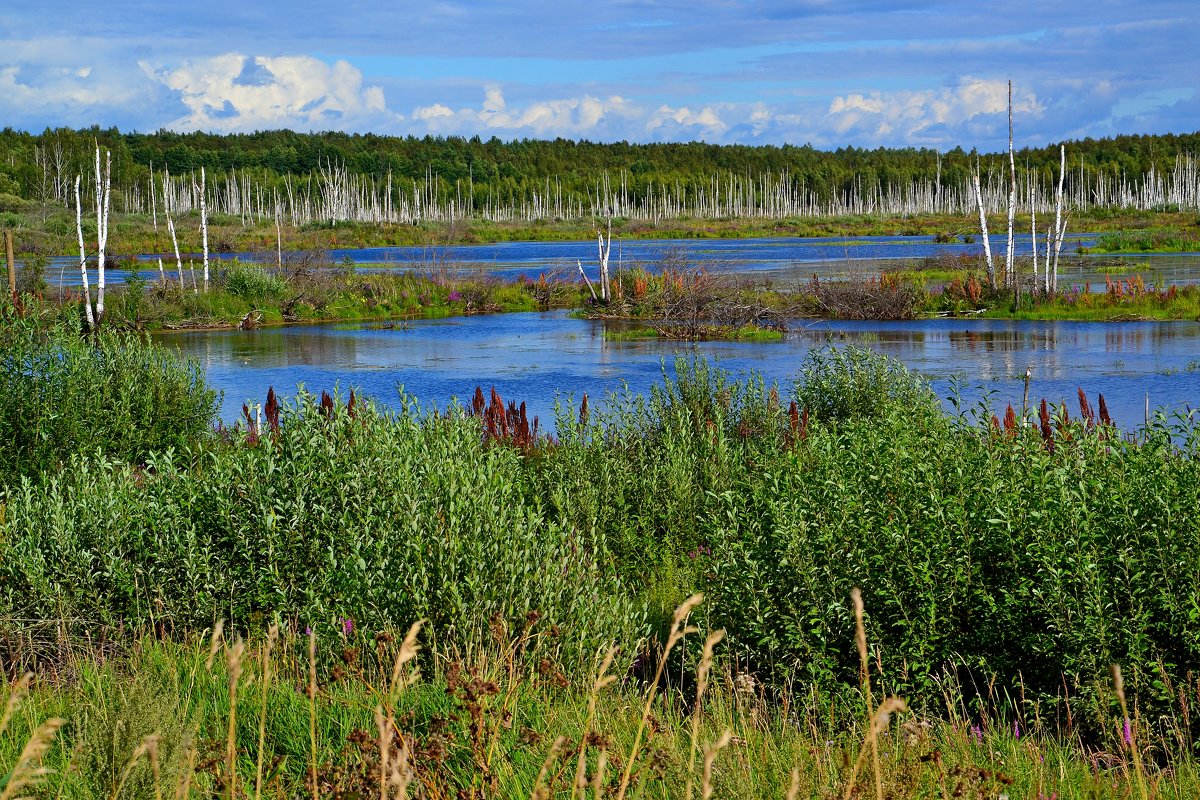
<point x="868" y="73"/>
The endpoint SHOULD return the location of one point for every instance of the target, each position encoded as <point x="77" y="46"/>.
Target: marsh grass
<point x="508" y="725"/>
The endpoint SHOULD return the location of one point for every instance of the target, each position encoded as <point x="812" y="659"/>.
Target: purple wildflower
<point x="347" y="626"/>
<point x="977" y="732"/>
<point x="307" y="631"/>
<point x="1128" y="732"/>
<point x="455" y="296"/>
<point x="1016" y="729"/>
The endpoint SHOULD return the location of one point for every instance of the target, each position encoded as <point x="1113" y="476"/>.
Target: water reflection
<point x="534" y="357"/>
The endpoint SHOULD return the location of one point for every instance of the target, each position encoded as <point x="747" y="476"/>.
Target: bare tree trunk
<point x="1033" y="230"/>
<point x="162" y="275"/>
<point x="204" y="227"/>
<point x="87" y="289"/>
<point x="605" y="251"/>
<point x="1060" y="224"/>
<point x="586" y="280"/>
<point x="103" y="198"/>
<point x="1009" y="264"/>
<point x="279" y="237"/>
<point x="987" y="246"/>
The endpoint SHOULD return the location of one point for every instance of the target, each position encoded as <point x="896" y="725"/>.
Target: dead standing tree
<point x="95" y="315"/>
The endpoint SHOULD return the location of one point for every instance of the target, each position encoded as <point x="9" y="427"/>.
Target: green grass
<point x="1158" y="239"/>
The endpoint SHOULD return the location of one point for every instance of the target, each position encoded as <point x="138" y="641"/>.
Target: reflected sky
<point x="536" y="357"/>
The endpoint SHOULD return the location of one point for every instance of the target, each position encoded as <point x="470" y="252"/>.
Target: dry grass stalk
<point x="860" y="638"/>
<point x="268" y="649"/>
<point x="19" y="690"/>
<point x="710" y="755"/>
<point x="312" y="713"/>
<point x="27" y="773"/>
<point x="794" y="786"/>
<point x="598" y="778"/>
<point x="603" y="679"/>
<point x="235" y="672"/>
<point x="702" y="674"/>
<point x="183" y="789"/>
<point x="540" y="790"/>
<point x="1128" y="732"/>
<point x="148" y="747"/>
<point x="151" y="743"/>
<point x="396" y="773"/>
<point x="679" y="629"/>
<point x="215" y="644"/>
<point x="878" y="723"/>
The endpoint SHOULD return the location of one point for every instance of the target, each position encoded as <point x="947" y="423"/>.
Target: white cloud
<point x="573" y="116"/>
<point x="234" y="92"/>
<point x="929" y="116"/>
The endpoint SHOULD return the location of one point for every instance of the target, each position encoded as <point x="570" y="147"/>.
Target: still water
<point x="537" y="357"/>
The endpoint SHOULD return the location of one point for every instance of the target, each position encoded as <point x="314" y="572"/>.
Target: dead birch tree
<point x="1032" y="226"/>
<point x="1060" y="224"/>
<point x="167" y="208"/>
<point x="103" y="198"/>
<point x="83" y="270"/>
<point x="162" y="275"/>
<point x="204" y="227"/>
<point x="1010" y="267"/>
<point x="605" y="251"/>
<point x="983" y="229"/>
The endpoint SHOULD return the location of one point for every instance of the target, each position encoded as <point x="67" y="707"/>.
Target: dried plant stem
<point x="860" y="634"/>
<point x="312" y="713"/>
<point x="603" y="679"/>
<point x="235" y="672"/>
<point x="678" y="630"/>
<point x="272" y="635"/>
<point x="702" y="673"/>
<point x="710" y="755"/>
<point x="540" y="790"/>
<point x="1129" y="732"/>
<point x="26" y="773"/>
<point x="19" y="690"/>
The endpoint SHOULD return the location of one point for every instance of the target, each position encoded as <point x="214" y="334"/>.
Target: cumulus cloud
<point x="927" y="117"/>
<point x="234" y="92"/>
<point x="569" y="117"/>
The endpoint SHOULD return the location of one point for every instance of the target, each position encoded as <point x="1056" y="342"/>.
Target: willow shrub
<point x="372" y="518"/>
<point x="980" y="556"/>
<point x="117" y="394"/>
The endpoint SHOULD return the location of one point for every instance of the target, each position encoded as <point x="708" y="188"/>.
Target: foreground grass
<point x="249" y="719"/>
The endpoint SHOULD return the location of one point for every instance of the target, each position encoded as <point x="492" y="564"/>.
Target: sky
<point x="830" y="73"/>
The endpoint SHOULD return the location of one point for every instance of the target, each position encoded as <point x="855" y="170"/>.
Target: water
<point x="536" y="357"/>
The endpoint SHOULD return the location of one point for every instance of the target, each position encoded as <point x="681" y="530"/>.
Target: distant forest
<point x="479" y="174"/>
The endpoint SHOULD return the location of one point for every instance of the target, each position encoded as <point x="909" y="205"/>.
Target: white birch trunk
<point x="1060" y="225"/>
<point x="1009" y="264"/>
<point x="103" y="196"/>
<point x="162" y="275"/>
<point x="1033" y="231"/>
<point x="87" y="289"/>
<point x="204" y="227"/>
<point x="983" y="230"/>
<point x="586" y="280"/>
<point x="605" y="250"/>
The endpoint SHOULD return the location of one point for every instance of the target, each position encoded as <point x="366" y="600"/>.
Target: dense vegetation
<point x="475" y="171"/>
<point x="1003" y="567"/>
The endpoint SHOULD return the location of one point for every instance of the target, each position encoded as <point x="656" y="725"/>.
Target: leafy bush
<point x="251" y="282"/>
<point x="857" y="382"/>
<point x="377" y="518"/>
<point x="118" y="394"/>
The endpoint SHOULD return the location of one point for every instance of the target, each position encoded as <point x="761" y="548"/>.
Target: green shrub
<point x="251" y="282"/>
<point x="856" y="382"/>
<point x="117" y="394"/>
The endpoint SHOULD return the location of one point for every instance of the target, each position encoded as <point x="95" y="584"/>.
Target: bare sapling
<point x="83" y="270"/>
